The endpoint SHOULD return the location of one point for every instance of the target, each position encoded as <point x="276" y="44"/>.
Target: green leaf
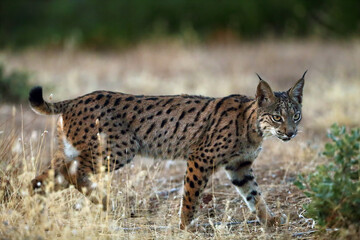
<point x="299" y="185"/>
<point x="308" y="194"/>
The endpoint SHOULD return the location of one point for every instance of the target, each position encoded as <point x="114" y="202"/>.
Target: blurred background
<point x="170" y="47"/>
<point x="213" y="48"/>
<point x="105" y="24"/>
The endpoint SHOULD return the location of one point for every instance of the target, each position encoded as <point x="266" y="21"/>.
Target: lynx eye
<point x="296" y="117"/>
<point x="276" y="118"/>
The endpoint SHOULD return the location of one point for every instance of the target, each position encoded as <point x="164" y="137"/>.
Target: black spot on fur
<point x="100" y="96"/>
<point x="241" y="183"/>
<point x="163" y="122"/>
<point x="117" y="101"/>
<point x="182" y="115"/>
<point x="87" y="101"/>
<point x="150" y="128"/>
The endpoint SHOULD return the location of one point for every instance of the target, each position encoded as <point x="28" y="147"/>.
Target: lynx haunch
<point x="209" y="133"/>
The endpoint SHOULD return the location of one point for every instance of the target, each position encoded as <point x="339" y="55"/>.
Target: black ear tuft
<point x="303" y="76"/>
<point x="35" y="96"/>
<point x="259" y="77"/>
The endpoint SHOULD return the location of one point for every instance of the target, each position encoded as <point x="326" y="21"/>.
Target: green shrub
<point x="334" y="187"/>
<point x="14" y="87"/>
<point x="96" y="23"/>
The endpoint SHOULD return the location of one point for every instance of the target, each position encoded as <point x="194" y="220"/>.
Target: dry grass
<point x="147" y="193"/>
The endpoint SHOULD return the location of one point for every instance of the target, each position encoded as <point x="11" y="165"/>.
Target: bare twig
<point x="299" y="234"/>
<point x="155" y="228"/>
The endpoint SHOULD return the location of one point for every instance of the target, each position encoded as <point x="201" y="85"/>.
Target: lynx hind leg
<point x="242" y="177"/>
<point x="40" y="184"/>
<point x="50" y="179"/>
<point x="107" y="155"/>
<point x="79" y="176"/>
<point x="78" y="172"/>
<point x="74" y="172"/>
<point x="76" y="168"/>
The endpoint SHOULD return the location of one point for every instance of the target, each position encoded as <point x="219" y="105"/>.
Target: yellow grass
<point x="147" y="193"/>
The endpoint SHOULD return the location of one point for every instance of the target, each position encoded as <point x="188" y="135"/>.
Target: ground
<point x="147" y="193"/>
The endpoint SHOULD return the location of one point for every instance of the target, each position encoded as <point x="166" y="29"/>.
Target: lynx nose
<point x="290" y="134"/>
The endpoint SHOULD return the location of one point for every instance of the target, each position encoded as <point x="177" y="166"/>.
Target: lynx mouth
<point x="285" y="139"/>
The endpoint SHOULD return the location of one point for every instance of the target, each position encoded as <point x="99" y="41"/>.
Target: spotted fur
<point x="107" y="129"/>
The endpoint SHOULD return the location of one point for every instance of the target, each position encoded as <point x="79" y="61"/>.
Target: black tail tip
<point x="35" y="96"/>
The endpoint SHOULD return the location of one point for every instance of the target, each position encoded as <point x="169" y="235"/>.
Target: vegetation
<point x="111" y="23"/>
<point x="334" y="187"/>
<point x="14" y="86"/>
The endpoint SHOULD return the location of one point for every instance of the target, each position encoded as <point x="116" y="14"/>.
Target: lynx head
<point x="279" y="113"/>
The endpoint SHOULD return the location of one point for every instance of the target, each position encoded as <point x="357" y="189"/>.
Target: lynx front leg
<point x="195" y="181"/>
<point x="241" y="175"/>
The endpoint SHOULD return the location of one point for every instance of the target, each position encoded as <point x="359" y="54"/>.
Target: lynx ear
<point x="264" y="94"/>
<point x="296" y="92"/>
